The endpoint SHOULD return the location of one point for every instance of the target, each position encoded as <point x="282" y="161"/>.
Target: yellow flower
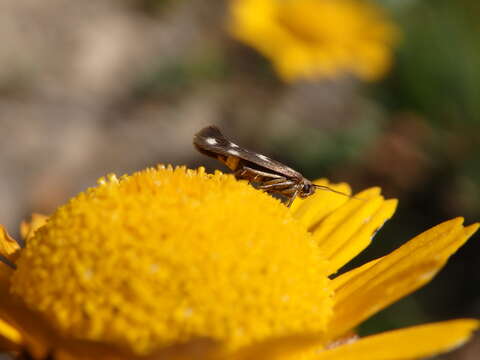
<point x="177" y="263"/>
<point x="309" y="39"/>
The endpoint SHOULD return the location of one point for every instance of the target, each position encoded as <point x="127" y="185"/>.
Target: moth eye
<point x="211" y="141"/>
<point x="233" y="152"/>
<point x="263" y="157"/>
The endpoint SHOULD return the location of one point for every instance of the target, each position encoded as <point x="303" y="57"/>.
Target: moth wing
<point x="277" y="167"/>
<point x="211" y="142"/>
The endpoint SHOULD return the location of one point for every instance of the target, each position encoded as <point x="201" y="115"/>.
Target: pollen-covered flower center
<point x="166" y="255"/>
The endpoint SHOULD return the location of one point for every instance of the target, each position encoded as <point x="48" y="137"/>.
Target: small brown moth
<point x="270" y="176"/>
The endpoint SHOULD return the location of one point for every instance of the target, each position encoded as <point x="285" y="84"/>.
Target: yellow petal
<point x="10" y="338"/>
<point x="339" y="219"/>
<point x="410" y="343"/>
<point x="33" y="329"/>
<point x="347" y="231"/>
<point x="28" y="228"/>
<point x="8" y="246"/>
<point x="344" y="278"/>
<point x="364" y="233"/>
<point x="312" y="210"/>
<point x="376" y="285"/>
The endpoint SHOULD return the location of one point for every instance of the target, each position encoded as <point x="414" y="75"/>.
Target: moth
<point x="269" y="175"/>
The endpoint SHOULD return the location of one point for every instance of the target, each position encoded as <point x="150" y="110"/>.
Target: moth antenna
<point x="336" y="191"/>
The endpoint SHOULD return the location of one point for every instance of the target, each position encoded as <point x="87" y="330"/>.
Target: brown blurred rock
<point x="400" y="155"/>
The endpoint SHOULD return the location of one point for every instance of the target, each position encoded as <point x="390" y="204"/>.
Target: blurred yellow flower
<point x="310" y="39"/>
<point x="178" y="263"/>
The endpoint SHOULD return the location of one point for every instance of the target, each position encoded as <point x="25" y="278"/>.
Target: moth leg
<point x="240" y="172"/>
<point x="279" y="185"/>
<point x="287" y="188"/>
<point x="254" y="174"/>
<point x="291" y="198"/>
<point x="290" y="194"/>
<point x="264" y="174"/>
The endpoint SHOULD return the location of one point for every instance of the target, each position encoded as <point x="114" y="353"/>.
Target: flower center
<point x="166" y="255"/>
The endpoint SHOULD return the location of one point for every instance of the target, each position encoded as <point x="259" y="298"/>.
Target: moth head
<point x="307" y="188"/>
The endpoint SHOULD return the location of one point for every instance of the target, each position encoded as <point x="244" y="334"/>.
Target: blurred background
<point x="94" y="87"/>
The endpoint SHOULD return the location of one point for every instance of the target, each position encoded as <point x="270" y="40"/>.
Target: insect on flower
<point x="269" y="175"/>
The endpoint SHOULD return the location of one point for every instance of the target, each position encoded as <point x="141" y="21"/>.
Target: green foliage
<point x="438" y="65"/>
